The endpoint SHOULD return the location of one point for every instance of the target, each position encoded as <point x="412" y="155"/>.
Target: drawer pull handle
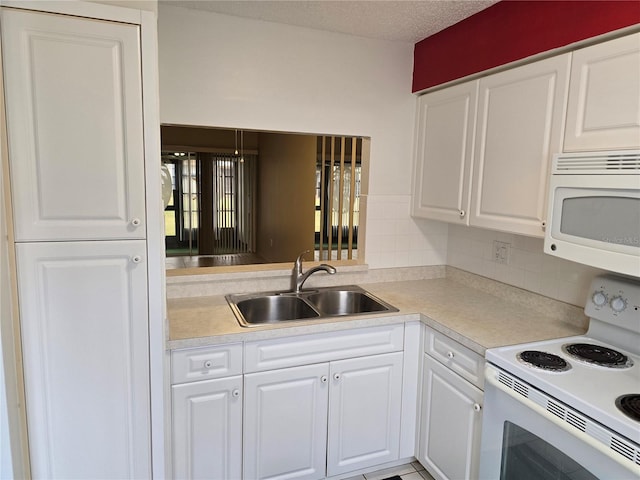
<point x="336" y="376"/>
<point x="208" y="364"/>
<point x="450" y="355"/>
<point x="476" y="407"/>
<point x="236" y="393"/>
<point x="324" y="379"/>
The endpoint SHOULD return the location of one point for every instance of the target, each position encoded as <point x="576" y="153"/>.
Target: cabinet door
<point x="449" y="445"/>
<point x="83" y="314"/>
<point x="285" y="423"/>
<point x="520" y="115"/>
<point x="364" y="412"/>
<point x="207" y="429"/>
<point x="444" y="130"/>
<point x="74" y="126"/>
<point x="604" y="97"/>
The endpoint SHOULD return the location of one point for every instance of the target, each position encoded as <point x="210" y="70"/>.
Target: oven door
<point x="521" y="440"/>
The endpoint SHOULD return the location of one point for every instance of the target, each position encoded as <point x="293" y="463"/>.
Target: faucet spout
<point x="298" y="277"/>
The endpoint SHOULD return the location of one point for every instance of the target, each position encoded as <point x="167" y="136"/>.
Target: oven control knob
<point x="599" y="298"/>
<point x="618" y="304"/>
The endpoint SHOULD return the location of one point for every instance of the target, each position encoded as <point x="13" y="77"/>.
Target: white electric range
<point x="569" y="407"/>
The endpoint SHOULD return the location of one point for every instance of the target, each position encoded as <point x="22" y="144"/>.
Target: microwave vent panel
<point x="598" y="163"/>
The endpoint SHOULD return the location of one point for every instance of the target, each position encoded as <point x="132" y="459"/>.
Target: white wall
<point x="150" y="5"/>
<point x="224" y="71"/>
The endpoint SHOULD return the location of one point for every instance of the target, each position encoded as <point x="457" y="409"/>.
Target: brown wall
<point x="220" y="139"/>
<point x="286" y="196"/>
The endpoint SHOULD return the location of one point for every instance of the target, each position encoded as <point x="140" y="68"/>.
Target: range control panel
<point x="615" y="300"/>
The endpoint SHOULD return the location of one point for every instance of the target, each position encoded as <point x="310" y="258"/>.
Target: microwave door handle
<point x="491" y="377"/>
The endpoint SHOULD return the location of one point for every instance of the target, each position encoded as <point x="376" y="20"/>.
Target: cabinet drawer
<point x="203" y="363"/>
<point x="303" y="350"/>
<point x="465" y="362"/>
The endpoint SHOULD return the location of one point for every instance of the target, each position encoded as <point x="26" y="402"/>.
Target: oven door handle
<point x="491" y="376"/>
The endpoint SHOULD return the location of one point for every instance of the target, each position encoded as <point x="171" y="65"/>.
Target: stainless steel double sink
<point x="274" y="307"/>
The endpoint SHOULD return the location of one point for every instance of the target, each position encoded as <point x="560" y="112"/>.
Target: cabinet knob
<point x="476" y="407"/>
<point x="462" y="213"/>
<point x="135" y="222"/>
<point x="136" y="259"/>
<point x="236" y="393"/>
<point x="208" y="364"/>
<point x="324" y="379"/>
<point x="450" y="355"/>
<point x="543" y="225"/>
<point x="336" y="376"/>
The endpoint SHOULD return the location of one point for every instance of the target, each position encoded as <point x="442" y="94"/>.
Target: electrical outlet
<point x="501" y="252"/>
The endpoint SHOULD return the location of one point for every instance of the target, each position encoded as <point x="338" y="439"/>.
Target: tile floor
<point x="410" y="471"/>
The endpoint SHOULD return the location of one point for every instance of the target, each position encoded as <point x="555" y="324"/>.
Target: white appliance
<point x="594" y="210"/>
<point x="554" y="409"/>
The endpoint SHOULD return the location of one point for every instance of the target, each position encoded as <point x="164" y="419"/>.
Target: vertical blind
<point x="339" y="164"/>
<point x="233" y="182"/>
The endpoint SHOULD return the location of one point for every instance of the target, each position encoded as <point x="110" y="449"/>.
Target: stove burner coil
<point x="598" y="355"/>
<point x="629" y="405"/>
<point x="544" y="360"/>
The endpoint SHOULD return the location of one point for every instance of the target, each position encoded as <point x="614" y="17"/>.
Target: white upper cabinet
<point x="520" y="119"/>
<point x="604" y="97"/>
<point x="483" y="148"/>
<point x="444" y="131"/>
<point x="75" y="131"/>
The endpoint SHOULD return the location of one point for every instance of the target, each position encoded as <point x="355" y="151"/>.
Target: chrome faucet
<point x="298" y="278"/>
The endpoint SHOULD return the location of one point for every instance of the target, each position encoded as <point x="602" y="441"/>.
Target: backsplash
<point x="527" y="267"/>
<point x="395" y="239"/>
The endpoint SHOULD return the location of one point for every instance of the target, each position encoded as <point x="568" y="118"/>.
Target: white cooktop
<point x="589" y="389"/>
<point x="614" y="310"/>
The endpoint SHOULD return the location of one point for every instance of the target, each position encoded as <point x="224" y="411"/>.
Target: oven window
<point x="598" y="218"/>
<point x="527" y="457"/>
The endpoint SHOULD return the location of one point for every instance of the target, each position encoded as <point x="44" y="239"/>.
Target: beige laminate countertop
<point x="478" y="318"/>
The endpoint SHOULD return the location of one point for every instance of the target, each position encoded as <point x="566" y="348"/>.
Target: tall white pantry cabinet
<point x="85" y="213"/>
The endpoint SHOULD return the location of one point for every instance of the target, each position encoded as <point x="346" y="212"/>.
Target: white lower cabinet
<point x="285" y="423"/>
<point x="324" y="419"/>
<point x="451" y="417"/>
<point x="364" y="412"/>
<point x="207" y="429"/>
<point x="307" y="407"/>
<point x="206" y="398"/>
<point x="84" y="325"/>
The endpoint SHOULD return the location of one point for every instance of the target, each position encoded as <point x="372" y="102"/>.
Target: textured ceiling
<point x="403" y="20"/>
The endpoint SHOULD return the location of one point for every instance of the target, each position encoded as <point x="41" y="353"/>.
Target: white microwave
<point x="594" y="210"/>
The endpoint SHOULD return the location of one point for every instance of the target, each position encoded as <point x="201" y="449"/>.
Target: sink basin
<point x="274" y="307"/>
<point x="345" y="302"/>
